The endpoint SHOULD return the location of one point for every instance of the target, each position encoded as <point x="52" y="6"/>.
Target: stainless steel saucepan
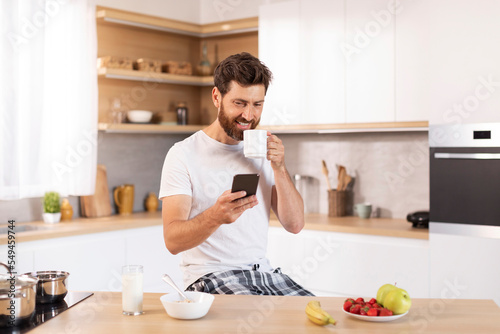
<point x="17" y="299"/>
<point x="51" y="286"/>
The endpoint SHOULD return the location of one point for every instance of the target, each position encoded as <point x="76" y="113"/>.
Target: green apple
<point x="398" y="301"/>
<point x="383" y="291"/>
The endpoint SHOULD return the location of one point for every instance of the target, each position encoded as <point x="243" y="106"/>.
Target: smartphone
<point x="246" y="182"/>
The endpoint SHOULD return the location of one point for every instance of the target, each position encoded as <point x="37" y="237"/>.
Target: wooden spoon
<point x="341" y="176"/>
<point x="325" y="172"/>
<point x="347" y="180"/>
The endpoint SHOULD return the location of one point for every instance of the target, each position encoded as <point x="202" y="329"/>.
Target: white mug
<point x="255" y="144"/>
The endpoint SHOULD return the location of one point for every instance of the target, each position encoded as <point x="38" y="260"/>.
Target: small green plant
<point x="51" y="202"/>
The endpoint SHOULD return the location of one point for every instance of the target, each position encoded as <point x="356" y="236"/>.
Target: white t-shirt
<point x="203" y="168"/>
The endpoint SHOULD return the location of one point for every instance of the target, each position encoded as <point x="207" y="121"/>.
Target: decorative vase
<point x="151" y="203"/>
<point x="51" y="218"/>
<point x="66" y="210"/>
<point x="205" y="69"/>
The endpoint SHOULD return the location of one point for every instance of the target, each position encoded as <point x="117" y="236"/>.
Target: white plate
<point x="375" y="319"/>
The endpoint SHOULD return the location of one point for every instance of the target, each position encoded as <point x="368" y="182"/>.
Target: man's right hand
<point x="230" y="206"/>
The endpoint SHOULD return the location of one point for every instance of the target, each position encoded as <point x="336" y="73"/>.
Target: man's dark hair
<point x="243" y="68"/>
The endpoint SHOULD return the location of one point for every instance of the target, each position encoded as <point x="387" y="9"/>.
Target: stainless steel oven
<point x="465" y="179"/>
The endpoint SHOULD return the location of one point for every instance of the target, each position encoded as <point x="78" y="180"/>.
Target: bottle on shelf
<point x="117" y="114"/>
<point x="182" y="113"/>
<point x="66" y="210"/>
<point x="204" y="68"/>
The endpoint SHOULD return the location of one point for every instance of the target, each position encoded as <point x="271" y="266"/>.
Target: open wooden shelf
<point x="283" y="129"/>
<point x="116" y="16"/>
<point x="349" y="127"/>
<point x="149" y="128"/>
<point x="121" y="74"/>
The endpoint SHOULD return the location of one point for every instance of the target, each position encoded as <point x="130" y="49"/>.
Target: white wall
<point x="226" y="10"/>
<point x="194" y="11"/>
<point x="185" y="10"/>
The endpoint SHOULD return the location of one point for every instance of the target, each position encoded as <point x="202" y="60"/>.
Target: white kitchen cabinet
<point x="333" y="61"/>
<point x="369" y="50"/>
<point x="146" y="247"/>
<point x="464" y="267"/>
<point x="279" y="49"/>
<point x="23" y="258"/>
<point x="344" y="264"/>
<point x="412" y="42"/>
<point x="94" y="261"/>
<point x="300" y="42"/>
<point x="322" y="66"/>
<point x="464" y="68"/>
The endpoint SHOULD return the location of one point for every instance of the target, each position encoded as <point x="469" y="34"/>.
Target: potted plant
<point x="51" y="207"/>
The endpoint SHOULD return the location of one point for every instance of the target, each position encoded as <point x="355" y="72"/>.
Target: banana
<point x="317" y="315"/>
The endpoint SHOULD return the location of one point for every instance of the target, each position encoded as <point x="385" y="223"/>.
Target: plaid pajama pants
<point x="249" y="282"/>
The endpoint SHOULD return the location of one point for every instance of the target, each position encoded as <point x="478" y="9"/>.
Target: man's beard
<point x="230" y="127"/>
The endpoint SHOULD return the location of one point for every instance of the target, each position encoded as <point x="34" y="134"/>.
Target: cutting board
<point x="99" y="204"/>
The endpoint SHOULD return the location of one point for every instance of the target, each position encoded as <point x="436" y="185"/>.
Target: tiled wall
<point x="391" y="170"/>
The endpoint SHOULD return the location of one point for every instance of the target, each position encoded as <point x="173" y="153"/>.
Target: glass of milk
<point x="132" y="286"/>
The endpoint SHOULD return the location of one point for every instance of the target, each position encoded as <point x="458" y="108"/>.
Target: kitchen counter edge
<point x="389" y="227"/>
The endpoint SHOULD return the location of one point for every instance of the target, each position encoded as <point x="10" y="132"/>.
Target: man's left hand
<point x="275" y="151"/>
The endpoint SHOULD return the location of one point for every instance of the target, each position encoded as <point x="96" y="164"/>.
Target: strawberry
<point x="360" y="301"/>
<point x="347" y="305"/>
<point x="385" y="312"/>
<point x="356" y="309"/>
<point x="350" y="300"/>
<point x="364" y="310"/>
<point x="376" y="305"/>
<point x="372" y="301"/>
<point x="373" y="312"/>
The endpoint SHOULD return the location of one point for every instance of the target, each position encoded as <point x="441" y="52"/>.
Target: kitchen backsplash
<point x="391" y="170"/>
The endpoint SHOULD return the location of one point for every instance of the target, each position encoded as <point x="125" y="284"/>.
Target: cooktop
<point x="45" y="312"/>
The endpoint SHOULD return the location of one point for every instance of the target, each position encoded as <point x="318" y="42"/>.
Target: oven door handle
<point x="474" y="156"/>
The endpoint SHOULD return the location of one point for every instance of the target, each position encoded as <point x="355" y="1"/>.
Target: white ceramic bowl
<point x="139" y="116"/>
<point x="198" y="309"/>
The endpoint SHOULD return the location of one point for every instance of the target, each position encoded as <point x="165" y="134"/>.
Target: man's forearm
<point x="181" y="235"/>
<point x="289" y="203"/>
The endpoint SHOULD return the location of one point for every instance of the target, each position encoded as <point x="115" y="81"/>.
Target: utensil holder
<point x="337" y="203"/>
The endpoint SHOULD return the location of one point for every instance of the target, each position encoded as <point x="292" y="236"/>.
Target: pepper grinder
<point x="181" y="111"/>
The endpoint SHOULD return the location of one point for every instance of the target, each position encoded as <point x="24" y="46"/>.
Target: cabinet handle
<point x="475" y="156"/>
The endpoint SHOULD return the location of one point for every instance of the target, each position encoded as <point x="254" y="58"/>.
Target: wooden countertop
<point x="81" y="226"/>
<point x="376" y="226"/>
<point x="101" y="313"/>
<point x="388" y="227"/>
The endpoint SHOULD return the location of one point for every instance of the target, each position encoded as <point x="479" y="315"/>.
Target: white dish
<point x="375" y="319"/>
<point x="179" y="310"/>
<point x="139" y="116"/>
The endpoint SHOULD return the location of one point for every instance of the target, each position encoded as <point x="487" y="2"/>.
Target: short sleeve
<point x="175" y="178"/>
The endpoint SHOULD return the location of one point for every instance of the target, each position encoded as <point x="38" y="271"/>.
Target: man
<point x="223" y="235"/>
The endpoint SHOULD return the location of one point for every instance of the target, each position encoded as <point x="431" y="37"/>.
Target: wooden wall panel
<point x="159" y="98"/>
